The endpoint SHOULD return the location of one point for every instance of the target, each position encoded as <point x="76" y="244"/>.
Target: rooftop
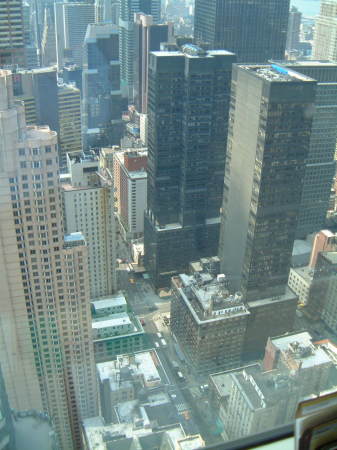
<point x="109" y="302"/>
<point x="287" y="296"/>
<point x="138" y="364"/>
<point x="115" y="320"/>
<point x="39" y="132"/>
<point x="275" y="73"/>
<point x="121" y="436"/>
<point x="330" y="256"/>
<point x="208" y="297"/>
<point x="306" y="273"/>
<point x="299" y="351"/>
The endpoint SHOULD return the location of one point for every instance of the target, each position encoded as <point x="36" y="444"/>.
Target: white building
<point x="299" y="281"/>
<point x="325" y="44"/>
<point x="89" y="208"/>
<point x="130" y="178"/>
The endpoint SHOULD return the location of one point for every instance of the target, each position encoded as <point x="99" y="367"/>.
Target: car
<point x="142" y="321"/>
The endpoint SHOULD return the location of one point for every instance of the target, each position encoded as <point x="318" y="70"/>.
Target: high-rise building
<point x="325" y="45"/>
<point x="107" y="11"/>
<point x="89" y="206"/>
<point x="127" y="37"/>
<point x="294" y="28"/>
<point x="11" y="33"/>
<point x="48" y="102"/>
<point x="320" y="163"/>
<point x="102" y="99"/>
<point x="208" y="323"/>
<point x="271" y="108"/>
<point x="71" y="22"/>
<point x="69" y="119"/>
<point x="148" y="37"/>
<point x="255" y="31"/>
<point x="46" y="349"/>
<point x="189" y="95"/>
<point x="48" y="40"/>
<point x="130" y="180"/>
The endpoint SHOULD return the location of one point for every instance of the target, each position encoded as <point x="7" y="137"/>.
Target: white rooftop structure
<point x="116" y="320"/>
<point x="298" y="347"/>
<point x="109" y="302"/>
<point x="141" y="364"/>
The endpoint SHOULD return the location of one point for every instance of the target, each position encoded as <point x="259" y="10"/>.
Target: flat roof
<point x="109" y="302"/>
<point x="288" y="295"/>
<point x="73" y="237"/>
<point x="307" y="273"/>
<point x="275" y="73"/>
<point x="114" y="321"/>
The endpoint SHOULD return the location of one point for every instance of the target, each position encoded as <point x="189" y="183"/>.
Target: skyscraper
<point x="189" y="95"/>
<point x="45" y="340"/>
<point x="320" y="163"/>
<point x="102" y="99"/>
<point x="88" y="199"/>
<point x="11" y="33"/>
<point x="148" y="37"/>
<point x="325" y="44"/>
<point x="294" y="27"/>
<point x="69" y="119"/>
<point x="271" y="108"/>
<point x="255" y="31"/>
<point x="71" y="22"/>
<point x="127" y="37"/>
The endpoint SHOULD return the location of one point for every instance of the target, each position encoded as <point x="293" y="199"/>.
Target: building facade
<point x="127" y="37"/>
<point x="255" y="31"/>
<point x="325" y="46"/>
<point x="102" y="101"/>
<point x="130" y="178"/>
<point x="148" y="37"/>
<point x="12" y="33"/>
<point x="320" y="165"/>
<point x="47" y="363"/>
<point x="71" y="21"/>
<point x="208" y="323"/>
<point x="262" y="198"/>
<point x="294" y="28"/>
<point x="7" y="438"/>
<point x="189" y="94"/>
<point x="89" y="206"/>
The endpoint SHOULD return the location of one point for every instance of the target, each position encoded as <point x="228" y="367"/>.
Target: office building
<point x="325" y="45"/>
<point x="48" y="102"/>
<point x="12" y="33"/>
<point x="127" y="37"/>
<point x="130" y="179"/>
<point x="255" y="31"/>
<point x="69" y="119"/>
<point x="116" y="329"/>
<point x="89" y="206"/>
<point x="208" y="323"/>
<point x="262" y="197"/>
<point x="322" y="290"/>
<point x="71" y="22"/>
<point x="300" y="280"/>
<point x="187" y="133"/>
<point x="320" y="164"/>
<point x="45" y="341"/>
<point x="102" y="100"/>
<point x="148" y="37"/>
<point x="324" y="241"/>
<point x="48" y="41"/>
<point x="7" y="437"/>
<point x="72" y="75"/>
<point x="107" y="11"/>
<point x="294" y="28"/>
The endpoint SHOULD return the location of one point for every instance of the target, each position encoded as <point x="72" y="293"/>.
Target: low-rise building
<point x="208" y="322"/>
<point x="299" y="281"/>
<point x="123" y="379"/>
<point x="116" y="329"/>
<point x="97" y="434"/>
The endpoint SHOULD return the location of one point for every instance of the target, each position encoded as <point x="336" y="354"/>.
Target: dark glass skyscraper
<point x="102" y="101"/>
<point x="188" y="104"/>
<point x="268" y="142"/>
<point x="256" y="30"/>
